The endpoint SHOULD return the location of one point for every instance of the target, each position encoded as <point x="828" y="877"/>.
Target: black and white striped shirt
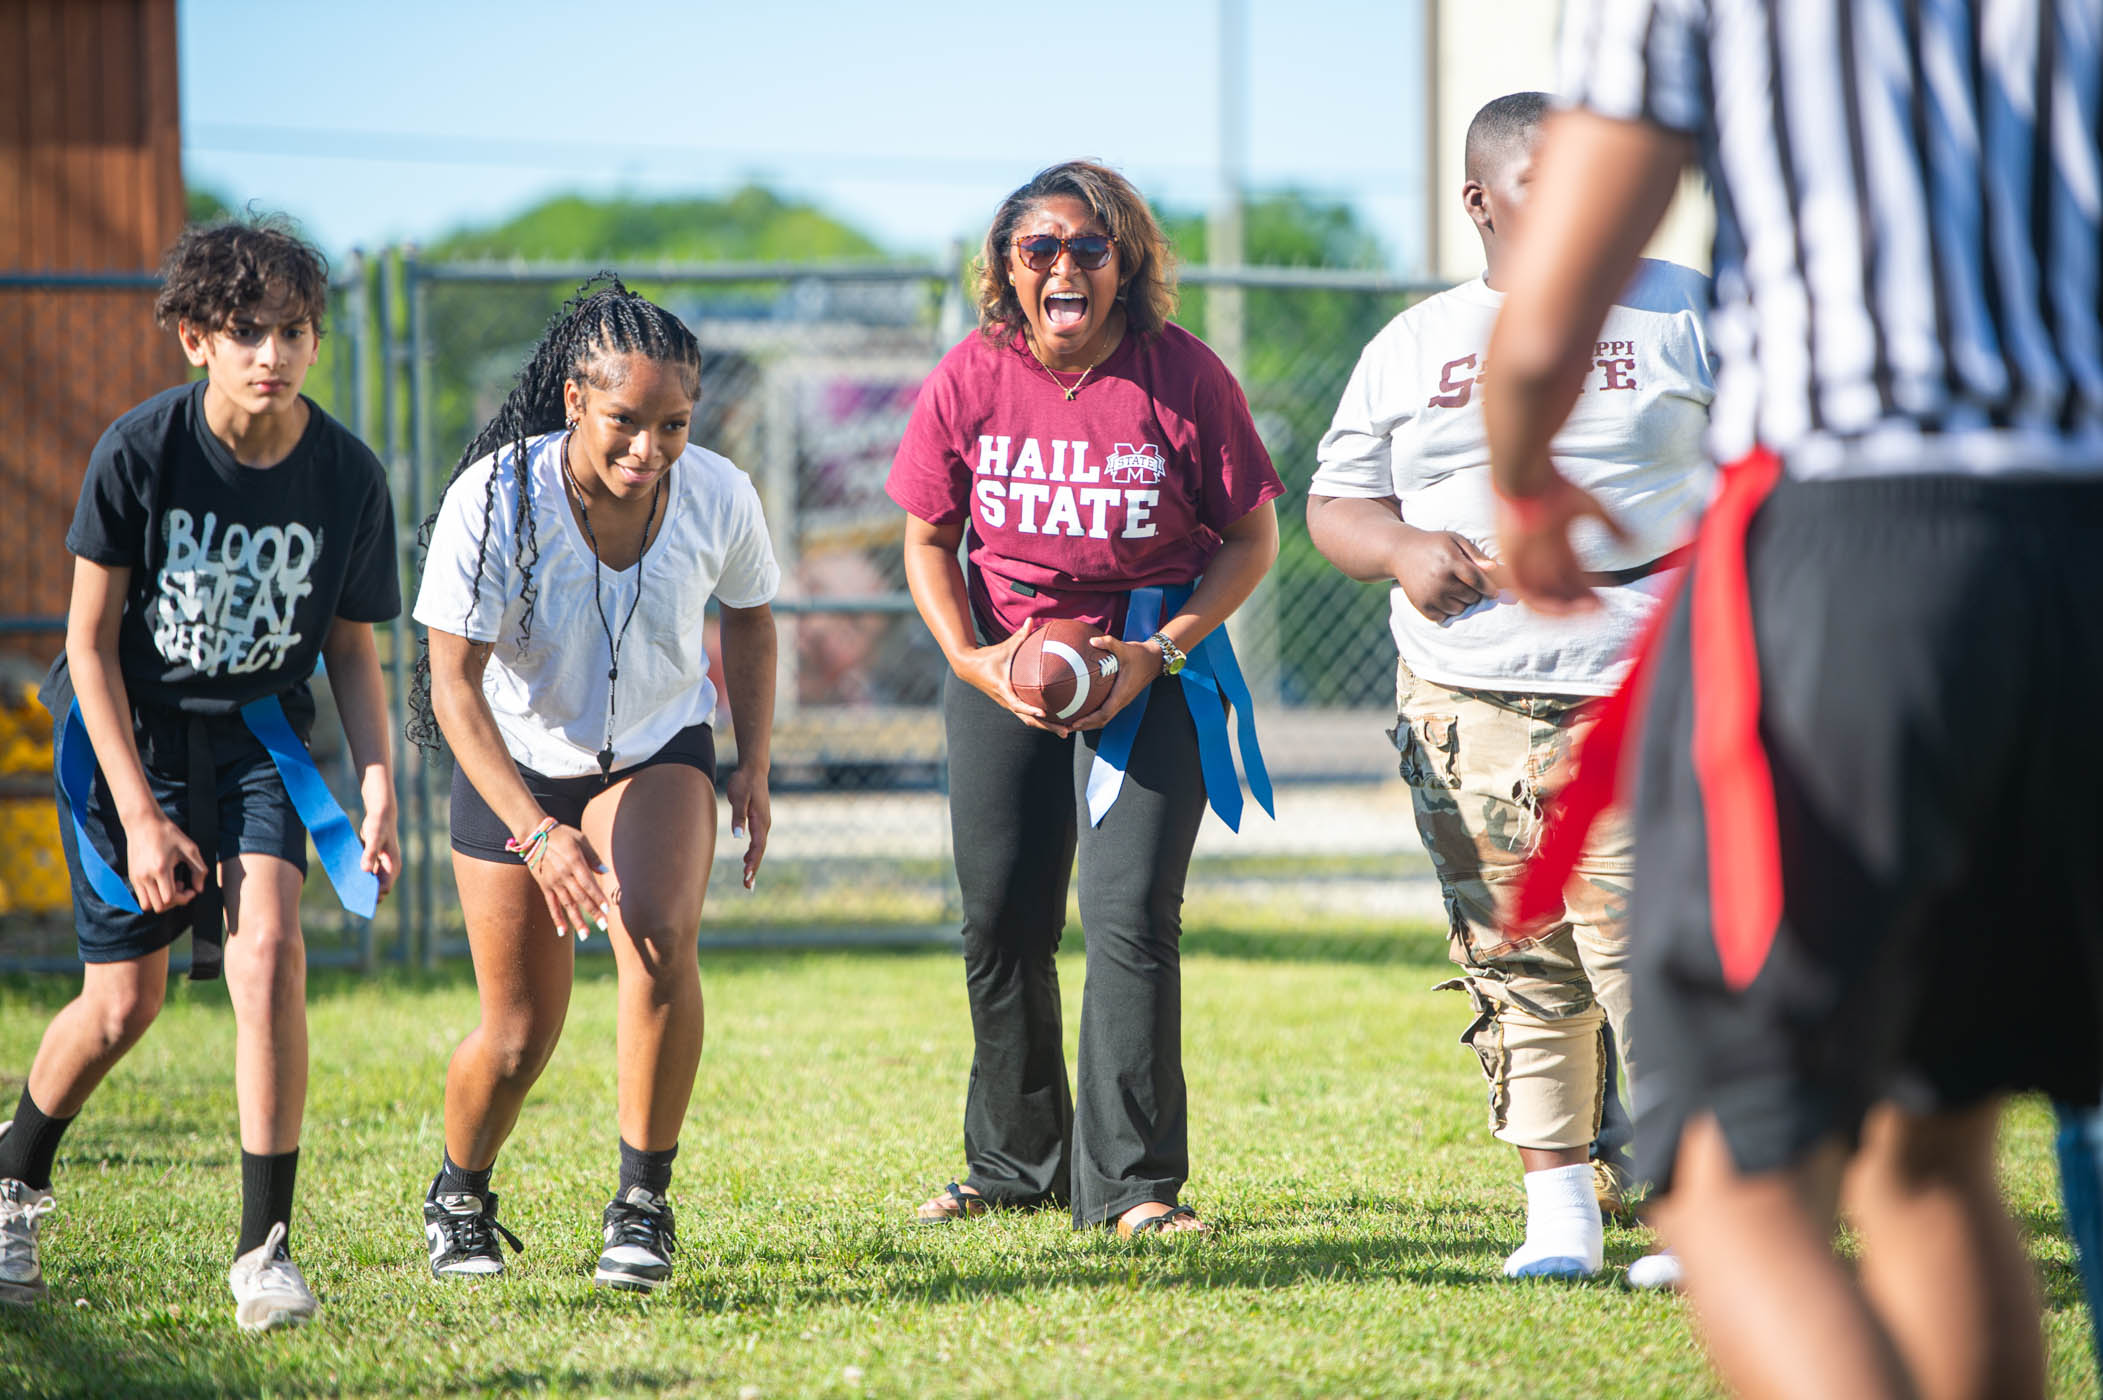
<point x="1908" y="232"/>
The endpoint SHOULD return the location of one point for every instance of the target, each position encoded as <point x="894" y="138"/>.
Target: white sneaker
<point x="1659" y="1270"/>
<point x="21" y="1270"/>
<point x="269" y="1290"/>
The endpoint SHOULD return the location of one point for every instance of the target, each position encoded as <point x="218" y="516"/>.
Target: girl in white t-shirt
<point x="569" y="566"/>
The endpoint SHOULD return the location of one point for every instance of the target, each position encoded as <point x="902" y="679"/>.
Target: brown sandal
<point x="1162" y="1224"/>
<point x="952" y="1203"/>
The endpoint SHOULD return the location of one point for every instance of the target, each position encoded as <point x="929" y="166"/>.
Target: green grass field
<point x="1336" y="1134"/>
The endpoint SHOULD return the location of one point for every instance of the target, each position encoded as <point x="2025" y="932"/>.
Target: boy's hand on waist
<point x="166" y="870"/>
<point x="1443" y="574"/>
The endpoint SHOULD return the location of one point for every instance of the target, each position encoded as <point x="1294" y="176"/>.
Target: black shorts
<point x="1928" y="648"/>
<point x="256" y="817"/>
<point x="479" y="833"/>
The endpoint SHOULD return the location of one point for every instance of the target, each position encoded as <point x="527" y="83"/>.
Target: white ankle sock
<point x="1562" y="1221"/>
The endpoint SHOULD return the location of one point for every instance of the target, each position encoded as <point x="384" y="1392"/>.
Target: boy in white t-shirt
<point x="1491" y="696"/>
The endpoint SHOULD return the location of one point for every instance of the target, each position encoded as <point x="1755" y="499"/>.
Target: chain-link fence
<point x="809" y="374"/>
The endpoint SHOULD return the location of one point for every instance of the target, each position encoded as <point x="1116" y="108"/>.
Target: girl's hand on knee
<point x="568" y="870"/>
<point x="166" y="870"/>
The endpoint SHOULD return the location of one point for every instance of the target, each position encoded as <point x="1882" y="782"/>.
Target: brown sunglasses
<point x="1089" y="251"/>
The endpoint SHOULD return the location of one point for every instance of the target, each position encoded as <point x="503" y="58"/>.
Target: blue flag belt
<point x="334" y="837"/>
<point x="1212" y="680"/>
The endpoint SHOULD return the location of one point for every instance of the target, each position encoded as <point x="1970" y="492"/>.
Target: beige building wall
<point x="1482" y="49"/>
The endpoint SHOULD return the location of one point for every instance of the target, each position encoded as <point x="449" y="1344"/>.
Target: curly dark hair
<point x="1148" y="268"/>
<point x="216" y="270"/>
<point x="603" y="319"/>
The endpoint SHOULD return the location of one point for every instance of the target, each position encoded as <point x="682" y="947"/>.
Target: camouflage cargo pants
<point x="1475" y="761"/>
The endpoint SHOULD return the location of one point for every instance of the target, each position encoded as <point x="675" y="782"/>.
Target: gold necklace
<point x="1054" y="374"/>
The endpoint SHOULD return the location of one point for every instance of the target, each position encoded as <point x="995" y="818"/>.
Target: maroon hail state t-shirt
<point x="1073" y="504"/>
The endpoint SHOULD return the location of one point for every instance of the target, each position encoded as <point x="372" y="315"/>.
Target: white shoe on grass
<point x="1659" y="1270"/>
<point x="269" y="1290"/>
<point x="21" y="1268"/>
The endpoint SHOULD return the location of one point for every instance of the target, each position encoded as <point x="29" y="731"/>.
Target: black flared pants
<point x="1018" y="811"/>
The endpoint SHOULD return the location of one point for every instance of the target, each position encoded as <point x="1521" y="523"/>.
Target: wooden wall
<point x="90" y="182"/>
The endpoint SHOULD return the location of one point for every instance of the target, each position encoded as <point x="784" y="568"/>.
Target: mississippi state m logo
<point x="1146" y="467"/>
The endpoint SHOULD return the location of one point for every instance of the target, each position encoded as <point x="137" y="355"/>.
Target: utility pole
<point x="1254" y="626"/>
<point x="1223" y="303"/>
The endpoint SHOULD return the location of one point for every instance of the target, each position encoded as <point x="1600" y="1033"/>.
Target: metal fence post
<point x="954" y="325"/>
<point x="956" y="315"/>
<point x="389" y="363"/>
<point x="357" y="406"/>
<point x="777" y="488"/>
<point x="419" y="493"/>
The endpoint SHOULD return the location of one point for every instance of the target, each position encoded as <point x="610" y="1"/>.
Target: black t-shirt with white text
<point x="236" y="572"/>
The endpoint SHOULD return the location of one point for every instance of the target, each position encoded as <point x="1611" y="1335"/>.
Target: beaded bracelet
<point x="535" y="844"/>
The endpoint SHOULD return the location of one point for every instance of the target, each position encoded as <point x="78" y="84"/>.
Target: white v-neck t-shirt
<point x="1410" y="426"/>
<point x="550" y="693"/>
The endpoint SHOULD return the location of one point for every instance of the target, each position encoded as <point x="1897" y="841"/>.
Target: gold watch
<point x="1172" y="657"/>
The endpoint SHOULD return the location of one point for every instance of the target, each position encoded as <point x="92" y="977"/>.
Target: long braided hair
<point x="602" y="320"/>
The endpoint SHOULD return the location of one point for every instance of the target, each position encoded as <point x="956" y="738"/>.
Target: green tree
<point x="202" y="205"/>
<point x="750" y="225"/>
<point x="480" y="331"/>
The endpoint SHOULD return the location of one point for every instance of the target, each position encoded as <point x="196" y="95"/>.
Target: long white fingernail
<point x="738" y="832"/>
<point x="601" y="922"/>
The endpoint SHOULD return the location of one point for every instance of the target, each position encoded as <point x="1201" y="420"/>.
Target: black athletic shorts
<point x="1928" y="651"/>
<point x="477" y="831"/>
<point x="256" y="817"/>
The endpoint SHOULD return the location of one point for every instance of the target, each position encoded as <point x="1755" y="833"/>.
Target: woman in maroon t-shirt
<point x="1090" y="448"/>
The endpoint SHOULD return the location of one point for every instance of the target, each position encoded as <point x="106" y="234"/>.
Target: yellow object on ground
<point x="32" y="864"/>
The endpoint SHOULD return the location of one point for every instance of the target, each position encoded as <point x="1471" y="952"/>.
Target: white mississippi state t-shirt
<point x="1410" y="426"/>
<point x="550" y="696"/>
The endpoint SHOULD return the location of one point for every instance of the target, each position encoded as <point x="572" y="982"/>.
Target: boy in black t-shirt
<point x="229" y="534"/>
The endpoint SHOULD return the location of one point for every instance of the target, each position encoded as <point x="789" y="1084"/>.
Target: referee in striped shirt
<point x="1869" y="900"/>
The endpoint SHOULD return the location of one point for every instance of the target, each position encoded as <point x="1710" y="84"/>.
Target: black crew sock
<point x="650" y="1170"/>
<point x="453" y="1179"/>
<point x="30" y="1144"/>
<point x="266" y="1196"/>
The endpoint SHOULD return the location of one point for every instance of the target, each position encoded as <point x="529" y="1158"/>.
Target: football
<point x="1056" y="670"/>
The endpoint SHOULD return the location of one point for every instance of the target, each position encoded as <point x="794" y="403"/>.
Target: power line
<point x="559" y="156"/>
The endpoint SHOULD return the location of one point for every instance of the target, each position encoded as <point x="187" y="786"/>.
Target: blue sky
<point x="393" y="120"/>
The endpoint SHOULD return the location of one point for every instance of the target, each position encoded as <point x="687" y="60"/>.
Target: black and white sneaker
<point x="639" y="1242"/>
<point x="461" y="1229"/>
